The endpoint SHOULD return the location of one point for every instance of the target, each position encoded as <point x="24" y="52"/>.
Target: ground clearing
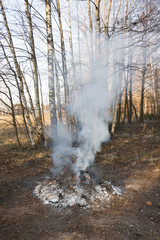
<point x="131" y="159"/>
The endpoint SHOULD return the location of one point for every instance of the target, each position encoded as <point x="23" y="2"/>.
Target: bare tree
<point x="11" y="107"/>
<point x="98" y="15"/>
<point x="64" y="63"/>
<point x="89" y="16"/>
<point x="107" y="19"/>
<point x="35" y="74"/>
<point x="51" y="77"/>
<point x="70" y="41"/>
<point x="143" y="74"/>
<point x="19" y="91"/>
<point x="19" y="73"/>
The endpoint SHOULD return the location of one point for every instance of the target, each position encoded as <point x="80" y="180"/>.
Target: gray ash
<point x="84" y="189"/>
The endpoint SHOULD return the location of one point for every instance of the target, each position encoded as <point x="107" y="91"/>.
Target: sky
<point x="14" y="19"/>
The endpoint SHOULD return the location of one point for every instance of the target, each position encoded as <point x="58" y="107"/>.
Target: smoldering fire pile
<point x="84" y="191"/>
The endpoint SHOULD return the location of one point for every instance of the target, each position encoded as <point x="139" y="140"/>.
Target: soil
<point x="130" y="160"/>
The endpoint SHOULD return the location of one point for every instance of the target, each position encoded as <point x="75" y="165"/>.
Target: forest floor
<point x="131" y="159"/>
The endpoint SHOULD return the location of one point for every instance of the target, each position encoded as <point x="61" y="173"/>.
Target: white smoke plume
<point x="96" y="85"/>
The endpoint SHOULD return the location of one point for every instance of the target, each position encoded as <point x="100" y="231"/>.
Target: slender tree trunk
<point x="98" y="53"/>
<point x="115" y="110"/>
<point x="120" y="102"/>
<point x="116" y="18"/>
<point x="98" y="16"/>
<point x="57" y="83"/>
<point x="69" y="25"/>
<point x="35" y="74"/>
<point x="19" y="92"/>
<point x="126" y="15"/>
<point x="105" y="12"/>
<point x="117" y="106"/>
<point x="30" y="128"/>
<point x="107" y="20"/>
<point x="142" y="95"/>
<point x="42" y="105"/>
<point x="154" y="89"/>
<point x="143" y="77"/>
<point x="89" y="16"/>
<point x="58" y="95"/>
<point x="135" y="111"/>
<point x="126" y="98"/>
<point x="91" y="41"/>
<point x="64" y="64"/>
<point x="70" y="42"/>
<point x="119" y="110"/>
<point x="79" y="45"/>
<point x="157" y="87"/>
<point x="32" y="110"/>
<point x="51" y="80"/>
<point x="130" y="98"/>
<point x="130" y="86"/>
<point x="12" y="110"/>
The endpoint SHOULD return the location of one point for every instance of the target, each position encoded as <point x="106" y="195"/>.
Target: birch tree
<point x="19" y="73"/>
<point x="130" y="84"/>
<point x="98" y="15"/>
<point x="143" y="72"/>
<point x="64" y="63"/>
<point x="35" y="74"/>
<point x="51" y="77"/>
<point x="107" y="19"/>
<point x="70" y="41"/>
<point x="11" y="107"/>
<point x="19" y="91"/>
<point x="89" y="16"/>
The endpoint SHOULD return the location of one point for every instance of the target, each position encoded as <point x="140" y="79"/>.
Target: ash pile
<point x="84" y="190"/>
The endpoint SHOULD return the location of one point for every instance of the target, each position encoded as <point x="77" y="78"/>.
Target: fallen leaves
<point x="149" y="203"/>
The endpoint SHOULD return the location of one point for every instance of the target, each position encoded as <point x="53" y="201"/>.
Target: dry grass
<point x="14" y="157"/>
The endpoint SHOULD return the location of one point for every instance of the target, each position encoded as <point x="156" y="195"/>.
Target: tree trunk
<point x="116" y="18"/>
<point x="154" y="88"/>
<point x="64" y="64"/>
<point x="126" y="15"/>
<point x="130" y="99"/>
<point x="126" y="97"/>
<point x="71" y="43"/>
<point x="98" y="16"/>
<point x="143" y="76"/>
<point x="42" y="105"/>
<point x="115" y="110"/>
<point x="142" y="95"/>
<point x="119" y="108"/>
<point x="39" y="127"/>
<point x="157" y="87"/>
<point x="89" y="16"/>
<point x="107" y="20"/>
<point x="50" y="46"/>
<point x="19" y="92"/>
<point x="136" y="115"/>
<point x="58" y="95"/>
<point x="12" y="111"/>
<point x="79" y="47"/>
<point x="30" y="128"/>
<point x="130" y="87"/>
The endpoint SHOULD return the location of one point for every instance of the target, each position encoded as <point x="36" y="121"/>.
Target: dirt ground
<point x="130" y="160"/>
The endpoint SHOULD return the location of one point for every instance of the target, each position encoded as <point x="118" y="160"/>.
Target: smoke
<point x="96" y="85"/>
<point x="62" y="151"/>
